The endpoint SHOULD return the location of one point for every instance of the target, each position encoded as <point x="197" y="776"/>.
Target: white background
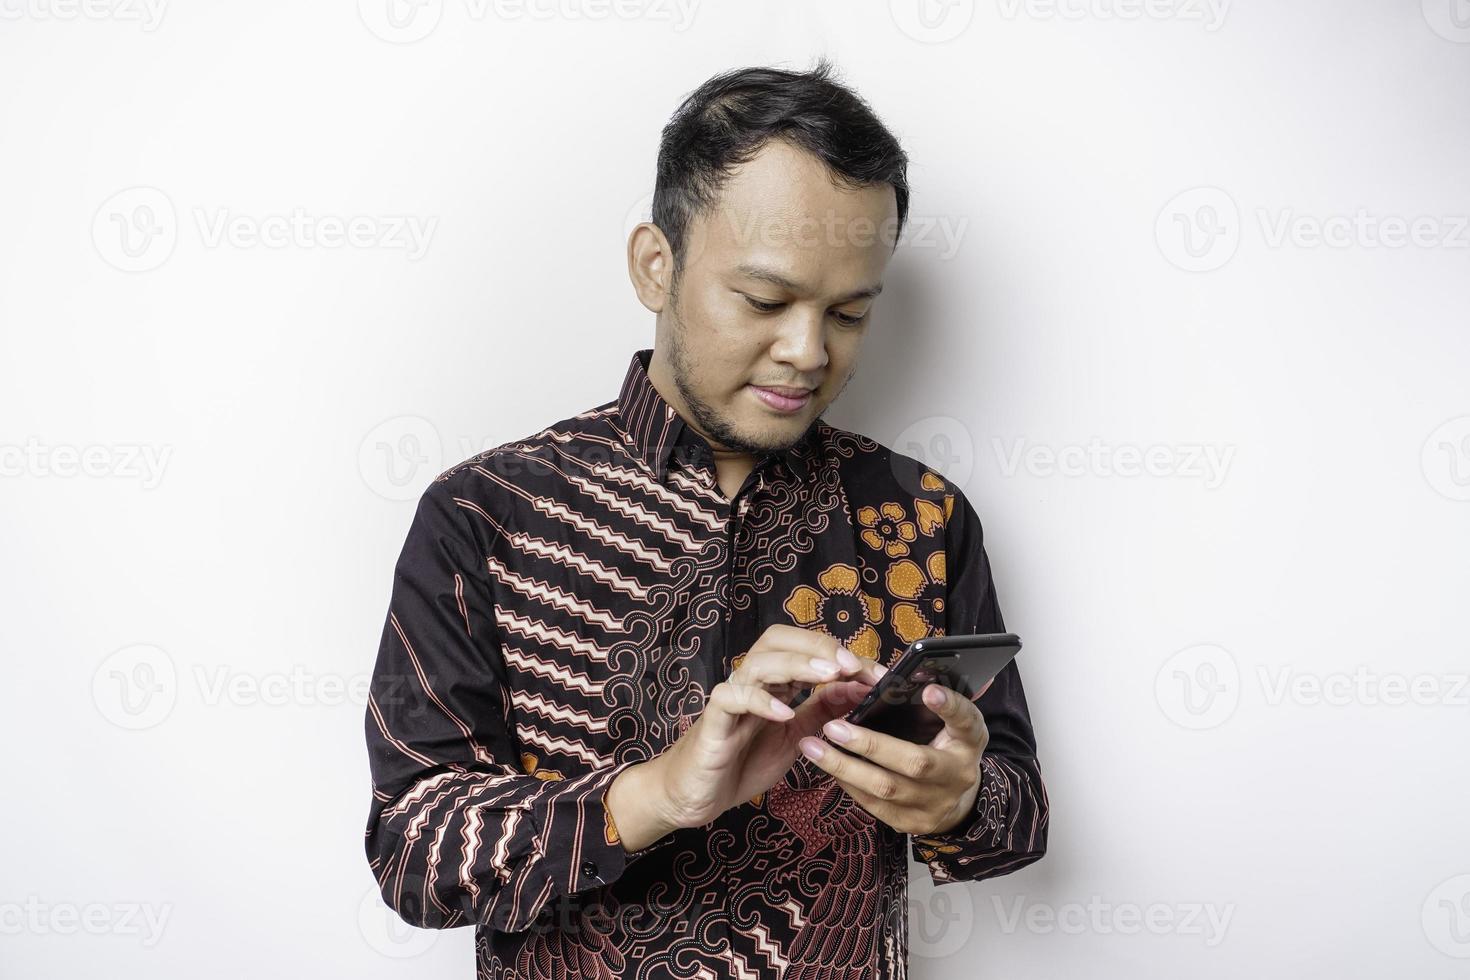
<point x="1222" y="662"/>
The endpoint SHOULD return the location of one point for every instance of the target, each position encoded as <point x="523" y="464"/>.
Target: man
<point x="581" y="728"/>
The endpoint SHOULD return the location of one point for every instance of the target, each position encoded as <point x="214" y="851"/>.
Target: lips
<point x="782" y="398"/>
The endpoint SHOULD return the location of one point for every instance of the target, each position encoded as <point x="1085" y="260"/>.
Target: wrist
<point x="634" y="803"/>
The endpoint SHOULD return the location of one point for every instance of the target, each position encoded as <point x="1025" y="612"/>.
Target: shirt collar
<point x="657" y="432"/>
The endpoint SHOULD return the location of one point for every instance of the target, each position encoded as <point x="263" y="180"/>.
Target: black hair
<point x="729" y="118"/>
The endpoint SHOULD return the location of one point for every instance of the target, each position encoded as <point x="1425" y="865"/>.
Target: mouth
<point x="781" y="398"/>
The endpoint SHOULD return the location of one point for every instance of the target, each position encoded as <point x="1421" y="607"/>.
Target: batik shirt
<point x="561" y="609"/>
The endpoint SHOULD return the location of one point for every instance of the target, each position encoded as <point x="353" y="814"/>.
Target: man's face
<point x="775" y="293"/>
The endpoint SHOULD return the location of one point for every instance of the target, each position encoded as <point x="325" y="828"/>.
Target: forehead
<point x="782" y="210"/>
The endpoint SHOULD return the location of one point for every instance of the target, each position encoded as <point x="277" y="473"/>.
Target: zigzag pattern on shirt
<point x="604" y="534"/>
<point x="590" y="567"/>
<point x="571" y="680"/>
<point x="636" y="478"/>
<point x="558" y="712"/>
<point x="535" y="588"/>
<point x="535" y="629"/>
<point x="680" y="479"/>
<point x="637" y="514"/>
<point x="556" y="743"/>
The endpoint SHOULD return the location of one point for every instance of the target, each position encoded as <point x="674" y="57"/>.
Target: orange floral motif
<point x="931" y="516"/>
<point x="929" y="853"/>
<point x="609" y="829"/>
<point x="529" y="763"/>
<point x="922" y="590"/>
<point x="884" y="529"/>
<point x="840" y="608"/>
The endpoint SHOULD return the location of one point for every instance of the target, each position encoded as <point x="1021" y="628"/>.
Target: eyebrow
<point x="775" y="278"/>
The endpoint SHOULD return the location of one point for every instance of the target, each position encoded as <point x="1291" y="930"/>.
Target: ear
<point x="650" y="265"/>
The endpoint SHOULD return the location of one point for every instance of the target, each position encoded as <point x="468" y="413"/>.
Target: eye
<point x="762" y="305"/>
<point x="848" y="320"/>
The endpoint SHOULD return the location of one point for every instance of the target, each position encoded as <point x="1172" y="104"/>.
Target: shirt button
<point x="589" y="869"/>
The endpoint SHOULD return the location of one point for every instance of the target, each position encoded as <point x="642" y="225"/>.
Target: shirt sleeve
<point x="458" y="831"/>
<point x="1007" y="827"/>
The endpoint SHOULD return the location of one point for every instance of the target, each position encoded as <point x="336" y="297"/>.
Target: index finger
<point x="814" y="643"/>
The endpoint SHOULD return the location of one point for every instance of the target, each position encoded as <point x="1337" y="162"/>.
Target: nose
<point x="802" y="343"/>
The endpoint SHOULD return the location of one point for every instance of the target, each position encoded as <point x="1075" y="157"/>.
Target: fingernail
<point x="848" y="659"/>
<point x="838" y="731"/>
<point x="934" y="696"/>
<point x="782" y="708"/>
<point x="825" y="667"/>
<point x="812" y="748"/>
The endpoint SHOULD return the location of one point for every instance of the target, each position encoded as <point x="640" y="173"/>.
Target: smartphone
<point x="964" y="664"/>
